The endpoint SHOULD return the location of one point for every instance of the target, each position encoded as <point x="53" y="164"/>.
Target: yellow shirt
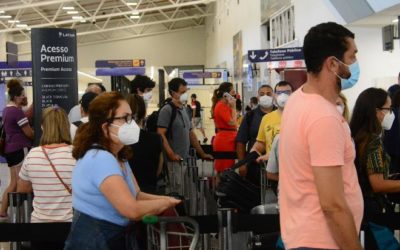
<point x="269" y="127"/>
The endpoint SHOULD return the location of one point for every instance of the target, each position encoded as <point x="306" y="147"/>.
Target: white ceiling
<point x="105" y="20"/>
<point x="380" y="19"/>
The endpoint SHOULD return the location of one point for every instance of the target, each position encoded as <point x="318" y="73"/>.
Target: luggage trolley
<point x="159" y="237"/>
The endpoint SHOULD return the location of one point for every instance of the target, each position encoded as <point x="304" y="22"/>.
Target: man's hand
<point x="174" y="157"/>
<point x="262" y="158"/>
<point x="207" y="157"/>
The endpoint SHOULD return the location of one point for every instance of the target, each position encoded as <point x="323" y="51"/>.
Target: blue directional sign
<point x="120" y="71"/>
<point x="120" y="63"/>
<point x="197" y="75"/>
<point x="270" y="55"/>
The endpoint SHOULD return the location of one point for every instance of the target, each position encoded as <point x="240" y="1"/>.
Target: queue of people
<point x="99" y="166"/>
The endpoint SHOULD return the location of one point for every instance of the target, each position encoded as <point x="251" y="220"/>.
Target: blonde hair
<point x="346" y="113"/>
<point x="55" y="126"/>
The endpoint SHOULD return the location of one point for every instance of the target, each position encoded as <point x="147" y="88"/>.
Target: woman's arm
<point x="28" y="131"/>
<point x="380" y="185"/>
<point x="24" y="186"/>
<point x="117" y="192"/>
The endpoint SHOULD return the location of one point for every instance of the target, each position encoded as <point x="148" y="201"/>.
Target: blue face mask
<point x="354" y="69"/>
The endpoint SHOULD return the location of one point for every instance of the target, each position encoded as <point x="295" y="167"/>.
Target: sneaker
<point x="3" y="218"/>
<point x="205" y="140"/>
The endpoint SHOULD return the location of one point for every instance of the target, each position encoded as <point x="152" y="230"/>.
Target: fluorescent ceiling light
<point x="77" y="17"/>
<point x="83" y="21"/>
<point x="90" y="76"/>
<point x="68" y="8"/>
<point x="5" y="16"/>
<point x="2" y="12"/>
<point x="13" y="21"/>
<point x="22" y="25"/>
<point x="131" y="4"/>
<point x="72" y="12"/>
<point x="134" y="17"/>
<point x="395" y="20"/>
<point x="135" y="12"/>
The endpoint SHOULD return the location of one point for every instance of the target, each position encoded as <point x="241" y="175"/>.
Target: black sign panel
<point x="54" y="68"/>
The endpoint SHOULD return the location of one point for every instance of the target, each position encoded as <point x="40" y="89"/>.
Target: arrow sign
<point x="258" y="55"/>
<point x="270" y="55"/>
<point x="253" y="55"/>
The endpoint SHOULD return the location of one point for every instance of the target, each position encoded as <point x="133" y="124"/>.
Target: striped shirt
<point x="51" y="202"/>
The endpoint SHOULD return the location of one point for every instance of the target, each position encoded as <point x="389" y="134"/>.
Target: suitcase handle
<point x="248" y="159"/>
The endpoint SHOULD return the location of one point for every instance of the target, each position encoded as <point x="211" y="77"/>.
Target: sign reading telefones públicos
<point x="54" y="69"/>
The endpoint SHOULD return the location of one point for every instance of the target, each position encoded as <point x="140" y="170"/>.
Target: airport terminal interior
<point x="214" y="121"/>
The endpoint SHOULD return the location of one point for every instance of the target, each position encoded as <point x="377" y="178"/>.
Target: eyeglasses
<point x="390" y="110"/>
<point x="128" y="118"/>
<point x="288" y="92"/>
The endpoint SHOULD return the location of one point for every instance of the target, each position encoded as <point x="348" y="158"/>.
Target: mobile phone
<point x="227" y="96"/>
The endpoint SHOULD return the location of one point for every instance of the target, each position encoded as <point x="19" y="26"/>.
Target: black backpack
<point x="151" y="122"/>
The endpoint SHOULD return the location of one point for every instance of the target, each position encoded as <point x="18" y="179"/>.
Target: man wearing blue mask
<point x="319" y="190"/>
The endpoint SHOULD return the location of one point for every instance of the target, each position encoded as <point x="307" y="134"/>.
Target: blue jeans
<point x="88" y="233"/>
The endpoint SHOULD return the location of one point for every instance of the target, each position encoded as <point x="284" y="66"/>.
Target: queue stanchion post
<point x="225" y="228"/>
<point x="203" y="183"/>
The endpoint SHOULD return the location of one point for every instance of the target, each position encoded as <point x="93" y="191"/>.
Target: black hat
<point x="86" y="99"/>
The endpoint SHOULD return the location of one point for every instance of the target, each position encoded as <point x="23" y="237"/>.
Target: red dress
<point x="224" y="140"/>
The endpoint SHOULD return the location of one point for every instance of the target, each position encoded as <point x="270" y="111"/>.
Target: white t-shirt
<point x="75" y="113"/>
<point x="73" y="128"/>
<point x="51" y="202"/>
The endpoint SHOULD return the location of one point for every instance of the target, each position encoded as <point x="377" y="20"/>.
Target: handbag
<point x="55" y="171"/>
<point x="384" y="238"/>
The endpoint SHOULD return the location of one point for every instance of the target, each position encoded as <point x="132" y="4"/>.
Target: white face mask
<point x="183" y="98"/>
<point x="266" y="101"/>
<point x="128" y="133"/>
<point x="388" y="121"/>
<point x="147" y="96"/>
<point x="340" y="108"/>
<point x="281" y="100"/>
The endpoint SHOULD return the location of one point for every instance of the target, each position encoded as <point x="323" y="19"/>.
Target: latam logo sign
<point x="64" y="34"/>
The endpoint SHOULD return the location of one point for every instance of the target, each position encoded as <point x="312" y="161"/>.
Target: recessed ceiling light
<point x="22" y="25"/>
<point x="13" y="21"/>
<point x="5" y="17"/>
<point x="131" y="2"/>
<point x="68" y="8"/>
<point x="72" y="12"/>
<point x="77" y="17"/>
<point x="395" y="20"/>
<point x="134" y="17"/>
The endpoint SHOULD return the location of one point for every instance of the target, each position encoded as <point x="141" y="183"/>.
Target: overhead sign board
<point x="54" y="67"/>
<point x="120" y="63"/>
<point x="197" y="75"/>
<point x="120" y="71"/>
<point x="271" y="55"/>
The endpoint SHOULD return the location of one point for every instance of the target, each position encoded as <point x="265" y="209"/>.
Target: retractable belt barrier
<point x="263" y="223"/>
<point x="223" y="155"/>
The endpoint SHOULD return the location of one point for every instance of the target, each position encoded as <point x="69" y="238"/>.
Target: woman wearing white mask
<point x="106" y="196"/>
<point x="342" y="107"/>
<point x="372" y="115"/>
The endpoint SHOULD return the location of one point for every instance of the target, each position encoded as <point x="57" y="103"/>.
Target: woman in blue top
<point x="105" y="194"/>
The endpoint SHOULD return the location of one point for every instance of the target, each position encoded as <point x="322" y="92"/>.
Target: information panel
<point x="54" y="68"/>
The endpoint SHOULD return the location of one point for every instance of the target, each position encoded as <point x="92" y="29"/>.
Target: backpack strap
<point x="249" y="119"/>
<point x="77" y="123"/>
<point x="173" y="116"/>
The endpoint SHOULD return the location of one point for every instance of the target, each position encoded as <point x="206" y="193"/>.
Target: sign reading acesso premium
<point x="54" y="69"/>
